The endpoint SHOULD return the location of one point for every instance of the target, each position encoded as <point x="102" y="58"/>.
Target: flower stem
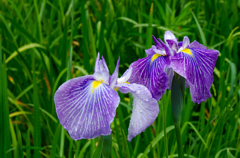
<point x="179" y="140"/>
<point x="165" y="132"/>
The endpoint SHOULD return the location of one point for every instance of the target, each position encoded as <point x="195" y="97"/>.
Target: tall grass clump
<point x="45" y="43"/>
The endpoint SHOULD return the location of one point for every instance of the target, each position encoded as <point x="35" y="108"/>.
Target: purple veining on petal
<point x="197" y="69"/>
<point x="180" y="43"/>
<point x="170" y="74"/>
<point x="158" y="82"/>
<point x="151" y="74"/>
<point x="145" y="108"/>
<point x="86" y="113"/>
<point x="195" y="44"/>
<point x="149" y="52"/>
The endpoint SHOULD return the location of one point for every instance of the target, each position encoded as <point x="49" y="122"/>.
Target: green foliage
<point x="44" y="43"/>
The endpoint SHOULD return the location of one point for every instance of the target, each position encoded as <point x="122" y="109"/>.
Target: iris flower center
<point x="95" y="84"/>
<point x="188" y="51"/>
<point x="155" y="56"/>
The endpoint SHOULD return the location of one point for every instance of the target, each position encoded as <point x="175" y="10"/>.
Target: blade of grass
<point x="84" y="149"/>
<point x="110" y="56"/>
<point x="85" y="38"/>
<point x="149" y="29"/>
<point x="4" y="102"/>
<point x="55" y="142"/>
<point x="14" y="139"/>
<point x="22" y="49"/>
<point x="98" y="150"/>
<point x="200" y="30"/>
<point x="37" y="125"/>
<point x="156" y="140"/>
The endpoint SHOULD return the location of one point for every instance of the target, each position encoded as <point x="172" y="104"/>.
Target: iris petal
<point x="114" y="77"/>
<point x="197" y="69"/>
<point x="86" y="108"/>
<point x="145" y="108"/>
<point x="151" y="74"/>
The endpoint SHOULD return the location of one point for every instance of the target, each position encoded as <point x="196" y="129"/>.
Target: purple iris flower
<point x="86" y="106"/>
<point x="154" y="71"/>
<point x="192" y="61"/>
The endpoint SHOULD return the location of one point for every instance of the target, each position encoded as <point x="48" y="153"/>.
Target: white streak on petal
<point x="86" y="113"/>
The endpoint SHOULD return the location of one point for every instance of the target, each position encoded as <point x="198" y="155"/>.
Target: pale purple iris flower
<point x="192" y="61"/>
<point x="86" y="106"/>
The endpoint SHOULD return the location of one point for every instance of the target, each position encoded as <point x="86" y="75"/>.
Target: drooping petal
<point x="145" y="108"/>
<point x="170" y="74"/>
<point x="150" y="72"/>
<point x="86" y="107"/>
<point x="114" y="77"/>
<point x="159" y="80"/>
<point x="196" y="64"/>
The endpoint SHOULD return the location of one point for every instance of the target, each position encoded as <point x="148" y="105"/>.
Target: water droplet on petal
<point x="138" y="91"/>
<point x="141" y="111"/>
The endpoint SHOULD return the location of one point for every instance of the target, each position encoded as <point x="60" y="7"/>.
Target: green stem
<point x="106" y="146"/>
<point x="179" y="140"/>
<point x="165" y="132"/>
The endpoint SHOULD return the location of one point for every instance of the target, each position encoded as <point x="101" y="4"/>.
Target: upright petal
<point x="171" y="41"/>
<point x="150" y="72"/>
<point x="86" y="107"/>
<point x="145" y="108"/>
<point x="114" y="77"/>
<point x="104" y="65"/>
<point x="159" y="48"/>
<point x="125" y="77"/>
<point x="184" y="44"/>
<point x="196" y="64"/>
<point x="97" y="66"/>
<point x="170" y="36"/>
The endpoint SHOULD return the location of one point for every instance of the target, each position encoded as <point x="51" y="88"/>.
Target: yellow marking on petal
<point x="127" y="82"/>
<point x="155" y="56"/>
<point x="95" y="84"/>
<point x="188" y="51"/>
<point x="116" y="89"/>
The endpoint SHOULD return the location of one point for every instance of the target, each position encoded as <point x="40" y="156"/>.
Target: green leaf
<point x="106" y="145"/>
<point x="98" y="150"/>
<point x="229" y="154"/>
<point x="200" y="30"/>
<point x="149" y="29"/>
<point x="156" y="140"/>
<point x="55" y="141"/>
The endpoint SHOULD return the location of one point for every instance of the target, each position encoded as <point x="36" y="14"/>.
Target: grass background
<point x="44" y="43"/>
